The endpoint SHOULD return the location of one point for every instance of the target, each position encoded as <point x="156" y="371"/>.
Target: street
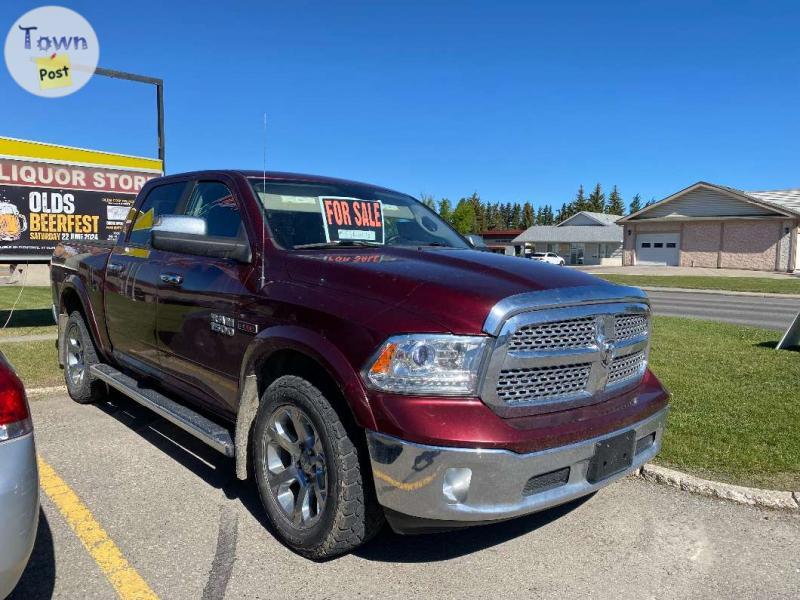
<point x="180" y="518"/>
<point x="756" y="311"/>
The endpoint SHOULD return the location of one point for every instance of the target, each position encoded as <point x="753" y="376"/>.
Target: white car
<point x="548" y="257"/>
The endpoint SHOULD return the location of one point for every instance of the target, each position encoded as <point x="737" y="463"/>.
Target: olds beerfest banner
<point x="51" y="194"/>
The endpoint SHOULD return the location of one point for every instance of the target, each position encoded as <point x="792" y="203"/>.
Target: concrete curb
<point x="725" y="491"/>
<point x="44" y="391"/>
<point x="721" y="292"/>
<point x="34" y="337"/>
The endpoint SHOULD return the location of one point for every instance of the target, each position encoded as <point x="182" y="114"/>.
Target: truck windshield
<point x="311" y="215"/>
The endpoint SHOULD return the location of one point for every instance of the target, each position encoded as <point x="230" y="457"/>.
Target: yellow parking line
<point x="125" y="579"/>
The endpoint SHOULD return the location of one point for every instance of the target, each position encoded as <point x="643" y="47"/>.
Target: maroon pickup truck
<point x="357" y="357"/>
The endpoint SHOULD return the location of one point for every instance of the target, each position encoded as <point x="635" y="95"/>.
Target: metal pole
<point x="159" y="83"/>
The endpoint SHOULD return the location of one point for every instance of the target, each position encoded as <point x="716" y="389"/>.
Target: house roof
<point x="495" y="233"/>
<point x="570" y="233"/>
<point x="601" y="218"/>
<point x="782" y="201"/>
<point x="786" y="199"/>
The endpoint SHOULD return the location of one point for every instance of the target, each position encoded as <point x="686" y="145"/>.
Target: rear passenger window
<point x="214" y="202"/>
<point x="645" y="244"/>
<point x="161" y="200"/>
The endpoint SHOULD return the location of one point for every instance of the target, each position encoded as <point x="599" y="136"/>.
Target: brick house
<point x="708" y="225"/>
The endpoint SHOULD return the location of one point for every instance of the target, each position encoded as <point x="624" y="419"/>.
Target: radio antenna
<point x="263" y="206"/>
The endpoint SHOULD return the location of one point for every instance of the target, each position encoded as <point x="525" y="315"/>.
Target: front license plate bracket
<point x="611" y="456"/>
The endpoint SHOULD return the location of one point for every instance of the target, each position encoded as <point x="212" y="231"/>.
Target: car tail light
<point x="15" y="418"/>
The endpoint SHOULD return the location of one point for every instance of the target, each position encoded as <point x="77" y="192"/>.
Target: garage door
<point x="658" y="249"/>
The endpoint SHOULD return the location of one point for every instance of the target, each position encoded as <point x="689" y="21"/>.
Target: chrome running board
<point x="205" y="430"/>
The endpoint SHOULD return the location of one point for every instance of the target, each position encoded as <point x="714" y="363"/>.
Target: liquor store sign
<point x="46" y="200"/>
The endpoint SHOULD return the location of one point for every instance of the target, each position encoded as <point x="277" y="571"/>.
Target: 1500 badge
<point x="228" y="325"/>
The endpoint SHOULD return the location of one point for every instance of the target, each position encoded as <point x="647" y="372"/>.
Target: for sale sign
<point x="54" y="194"/>
<point x="351" y="219"/>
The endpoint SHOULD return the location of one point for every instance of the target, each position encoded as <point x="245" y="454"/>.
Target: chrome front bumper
<point x="465" y="484"/>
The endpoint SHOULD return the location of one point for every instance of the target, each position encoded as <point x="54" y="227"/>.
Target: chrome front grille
<point x="630" y="326"/>
<point x="625" y="367"/>
<point x="558" y="357"/>
<point x="572" y="333"/>
<point x="542" y="383"/>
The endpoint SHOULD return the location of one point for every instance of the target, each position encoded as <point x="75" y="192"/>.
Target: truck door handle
<point x="113" y="267"/>
<point x="172" y="278"/>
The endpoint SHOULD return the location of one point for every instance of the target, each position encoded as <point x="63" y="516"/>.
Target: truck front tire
<point x="308" y="473"/>
<point x="80" y="355"/>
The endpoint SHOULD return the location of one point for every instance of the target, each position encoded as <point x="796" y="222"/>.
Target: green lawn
<point x="32" y="313"/>
<point x="735" y="402"/>
<point x="35" y="362"/>
<point x="733" y="284"/>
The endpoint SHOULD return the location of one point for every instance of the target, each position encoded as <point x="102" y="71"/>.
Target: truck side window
<point x="161" y="200"/>
<point x="214" y="202"/>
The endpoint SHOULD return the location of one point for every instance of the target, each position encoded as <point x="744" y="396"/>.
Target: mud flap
<point x="61" y="343"/>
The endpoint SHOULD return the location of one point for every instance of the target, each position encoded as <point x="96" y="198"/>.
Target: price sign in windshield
<point x="352" y="219"/>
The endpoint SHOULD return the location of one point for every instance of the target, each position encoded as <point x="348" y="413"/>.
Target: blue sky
<point x="515" y="100"/>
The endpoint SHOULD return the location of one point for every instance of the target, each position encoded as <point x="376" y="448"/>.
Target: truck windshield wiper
<point x="337" y="244"/>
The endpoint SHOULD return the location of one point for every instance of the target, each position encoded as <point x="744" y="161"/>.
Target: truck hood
<point x="453" y="287"/>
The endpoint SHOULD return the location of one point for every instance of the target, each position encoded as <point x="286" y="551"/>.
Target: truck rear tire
<point x="314" y="489"/>
<point x="80" y="355"/>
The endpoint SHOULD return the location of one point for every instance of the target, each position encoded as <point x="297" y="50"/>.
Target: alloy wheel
<point x="76" y="364"/>
<point x="296" y="467"/>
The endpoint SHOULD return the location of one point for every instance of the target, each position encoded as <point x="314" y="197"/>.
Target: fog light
<point x="456" y="485"/>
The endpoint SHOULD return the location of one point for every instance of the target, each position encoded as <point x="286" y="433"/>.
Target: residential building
<point x="500" y="240"/>
<point x="708" y="225"/>
<point x="585" y="238"/>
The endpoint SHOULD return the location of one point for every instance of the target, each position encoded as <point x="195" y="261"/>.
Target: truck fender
<point x="75" y="284"/>
<point x="314" y="346"/>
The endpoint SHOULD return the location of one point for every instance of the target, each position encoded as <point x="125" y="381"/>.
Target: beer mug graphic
<point x="12" y="224"/>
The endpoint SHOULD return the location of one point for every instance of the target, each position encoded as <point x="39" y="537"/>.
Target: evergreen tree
<point x="464" y="217"/>
<point x="493" y="217"/>
<point x="651" y="202"/>
<point x="580" y="203"/>
<point x="446" y="210"/>
<point x="636" y="204"/>
<point x="548" y="215"/>
<point x="540" y="216"/>
<point x="615" y="204"/>
<point x="528" y="218"/>
<point x="516" y="216"/>
<point x="597" y="200"/>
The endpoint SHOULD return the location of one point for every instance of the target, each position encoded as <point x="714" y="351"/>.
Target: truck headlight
<point x="428" y="364"/>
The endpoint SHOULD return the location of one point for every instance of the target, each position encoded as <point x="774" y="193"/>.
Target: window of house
<point x="645" y="244"/>
<point x="658" y="245"/>
<point x="671" y="245"/>
<point x="161" y="200"/>
<point x="606" y="250"/>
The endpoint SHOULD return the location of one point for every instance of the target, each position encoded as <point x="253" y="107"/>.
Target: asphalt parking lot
<point x="189" y="529"/>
